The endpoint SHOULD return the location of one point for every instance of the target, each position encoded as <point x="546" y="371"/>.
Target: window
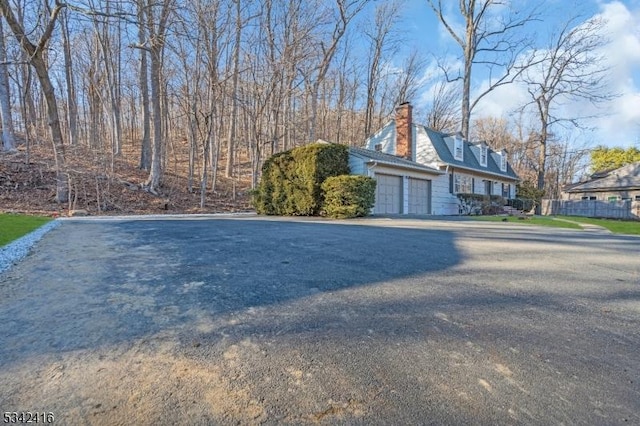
<point x="584" y="198"/>
<point x="488" y="187"/>
<point x="637" y="197"/>
<point x="458" y="149"/>
<point x="506" y="190"/>
<point x="463" y="184"/>
<point x="378" y="147"/>
<point x="483" y="155"/>
<point x="503" y="161"/>
<point x="612" y="198"/>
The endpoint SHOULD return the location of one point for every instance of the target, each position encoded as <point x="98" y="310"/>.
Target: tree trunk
<point x="469" y="54"/>
<point x="234" y="93"/>
<point x="34" y="52"/>
<point x="155" y="174"/>
<point x="71" y="91"/>
<point x="62" y="191"/>
<point x="145" y="152"/>
<point x="5" y="100"/>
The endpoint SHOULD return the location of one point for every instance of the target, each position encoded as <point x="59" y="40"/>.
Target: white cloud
<point x="620" y="125"/>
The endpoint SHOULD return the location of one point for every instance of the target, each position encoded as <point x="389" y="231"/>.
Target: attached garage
<point x="388" y="194"/>
<point x="419" y="196"/>
<point x="402" y="186"/>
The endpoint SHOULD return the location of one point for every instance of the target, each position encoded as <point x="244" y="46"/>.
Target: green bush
<point x="291" y="180"/>
<point x="348" y="196"/>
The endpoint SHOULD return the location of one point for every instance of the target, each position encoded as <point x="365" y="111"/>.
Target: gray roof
<point x="392" y="160"/>
<point x="626" y="177"/>
<point x="444" y="149"/>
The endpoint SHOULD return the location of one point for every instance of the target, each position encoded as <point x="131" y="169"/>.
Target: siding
<point x="442" y="202"/>
<point x="385" y="137"/>
<point x="445" y="203"/>
<point x="425" y="152"/>
<point x="357" y="165"/>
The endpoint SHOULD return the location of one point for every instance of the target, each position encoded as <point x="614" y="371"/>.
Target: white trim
<point x="484" y="155"/>
<point x="458" y="148"/>
<point x="480" y="173"/>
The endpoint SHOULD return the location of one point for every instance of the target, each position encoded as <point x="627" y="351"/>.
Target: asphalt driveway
<point x="246" y="320"/>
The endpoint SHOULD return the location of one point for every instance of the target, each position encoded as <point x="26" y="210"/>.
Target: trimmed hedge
<point x="348" y="196"/>
<point x="291" y="180"/>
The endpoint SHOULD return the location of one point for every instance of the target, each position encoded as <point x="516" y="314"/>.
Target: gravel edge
<point x="16" y="250"/>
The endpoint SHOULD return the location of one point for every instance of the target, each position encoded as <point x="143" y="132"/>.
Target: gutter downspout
<point x="369" y="168"/>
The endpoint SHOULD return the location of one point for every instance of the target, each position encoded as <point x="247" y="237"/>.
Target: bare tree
<point x="380" y="36"/>
<point x="234" y="90"/>
<point x="408" y="80"/>
<point x="569" y="69"/>
<point x="5" y="99"/>
<point x="157" y="22"/>
<point x="444" y="113"/>
<point x="108" y="35"/>
<point x="490" y="39"/>
<point x="72" y="113"/>
<point x="35" y="53"/>
<point x="347" y="10"/>
<point x="145" y="151"/>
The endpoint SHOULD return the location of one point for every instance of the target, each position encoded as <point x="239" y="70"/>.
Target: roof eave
<point x="604" y="189"/>
<point x="403" y="166"/>
<point x="485" y="172"/>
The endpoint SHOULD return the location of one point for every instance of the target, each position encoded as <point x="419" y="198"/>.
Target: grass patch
<point x="535" y="220"/>
<point x="616" y="226"/>
<point x="14" y="226"/>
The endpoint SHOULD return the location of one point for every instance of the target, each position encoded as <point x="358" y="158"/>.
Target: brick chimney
<point x="403" y="131"/>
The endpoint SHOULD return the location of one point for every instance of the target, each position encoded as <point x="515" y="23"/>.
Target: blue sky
<point x="618" y="123"/>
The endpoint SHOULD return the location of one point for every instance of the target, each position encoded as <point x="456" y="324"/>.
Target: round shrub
<point x="348" y="196"/>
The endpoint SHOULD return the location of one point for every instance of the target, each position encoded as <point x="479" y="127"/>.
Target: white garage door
<point x="419" y="196"/>
<point x="388" y="194"/>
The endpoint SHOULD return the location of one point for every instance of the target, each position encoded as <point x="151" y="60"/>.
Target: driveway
<point x="245" y="320"/>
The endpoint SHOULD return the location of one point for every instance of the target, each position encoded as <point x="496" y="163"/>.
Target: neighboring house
<point x="409" y="161"/>
<point x="611" y="185"/>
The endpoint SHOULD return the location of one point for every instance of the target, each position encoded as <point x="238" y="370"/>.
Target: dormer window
<point x="458" y="149"/>
<point x="483" y="155"/>
<point x="503" y="160"/>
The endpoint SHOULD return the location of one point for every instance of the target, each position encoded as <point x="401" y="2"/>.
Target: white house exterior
<point x="402" y="186"/>
<point x="450" y="164"/>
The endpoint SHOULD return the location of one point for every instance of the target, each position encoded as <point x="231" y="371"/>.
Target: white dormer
<point x="458" y="148"/>
<point x="503" y="160"/>
<point x="484" y="153"/>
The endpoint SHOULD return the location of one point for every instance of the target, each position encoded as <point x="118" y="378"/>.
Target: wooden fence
<point x="592" y="208"/>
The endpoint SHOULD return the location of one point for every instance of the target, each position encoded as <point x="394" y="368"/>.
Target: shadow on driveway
<point x="106" y="283"/>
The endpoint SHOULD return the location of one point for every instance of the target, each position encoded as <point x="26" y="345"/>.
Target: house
<point x="422" y="171"/>
<point x="620" y="184"/>
<point x="402" y="186"/>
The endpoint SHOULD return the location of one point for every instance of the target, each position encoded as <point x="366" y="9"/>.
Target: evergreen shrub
<point x="348" y="196"/>
<point x="291" y="180"/>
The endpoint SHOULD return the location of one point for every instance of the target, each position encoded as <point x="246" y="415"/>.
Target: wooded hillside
<point x="120" y="105"/>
